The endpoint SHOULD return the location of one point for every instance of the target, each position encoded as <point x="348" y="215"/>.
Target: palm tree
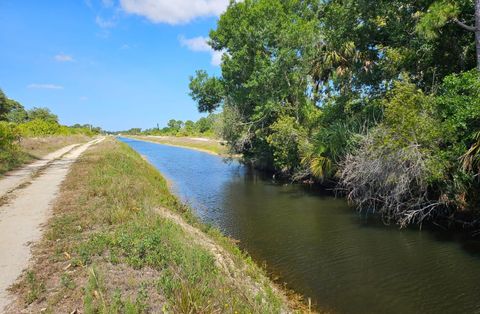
<point x="471" y="159"/>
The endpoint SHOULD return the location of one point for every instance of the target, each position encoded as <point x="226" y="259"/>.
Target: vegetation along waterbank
<point x="118" y="241"/>
<point x="382" y="99"/>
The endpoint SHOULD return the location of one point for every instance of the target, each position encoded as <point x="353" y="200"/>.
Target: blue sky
<point x="117" y="64"/>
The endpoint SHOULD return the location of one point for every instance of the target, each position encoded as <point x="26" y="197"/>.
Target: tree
<point x="264" y="70"/>
<point x="189" y="126"/>
<point x="203" y="125"/>
<point x="360" y="91"/>
<point x="286" y="140"/>
<point x="207" y="91"/>
<point x="174" y="125"/>
<point x="3" y="105"/>
<point x="42" y="114"/>
<point x="441" y="12"/>
<point x="11" y="110"/>
<point x="135" y="131"/>
<point x="17" y="113"/>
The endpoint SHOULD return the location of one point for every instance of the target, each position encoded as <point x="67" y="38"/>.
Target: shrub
<point x="285" y="140"/>
<point x="395" y="165"/>
<point x="10" y="155"/>
<point x="40" y="127"/>
<point x="9" y="135"/>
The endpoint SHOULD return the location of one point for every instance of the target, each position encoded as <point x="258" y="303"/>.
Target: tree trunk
<point x="477" y="31"/>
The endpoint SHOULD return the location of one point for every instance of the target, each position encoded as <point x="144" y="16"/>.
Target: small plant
<point x="67" y="281"/>
<point x="35" y="288"/>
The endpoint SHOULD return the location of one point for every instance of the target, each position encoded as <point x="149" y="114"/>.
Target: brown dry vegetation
<point x="38" y="147"/>
<point x="119" y="242"/>
<point x="30" y="148"/>
<point x="207" y="145"/>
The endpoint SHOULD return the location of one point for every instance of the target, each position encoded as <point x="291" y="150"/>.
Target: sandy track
<point x="13" y="179"/>
<point x="27" y="209"/>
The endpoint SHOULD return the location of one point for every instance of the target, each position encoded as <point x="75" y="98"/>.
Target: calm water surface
<point x="320" y="246"/>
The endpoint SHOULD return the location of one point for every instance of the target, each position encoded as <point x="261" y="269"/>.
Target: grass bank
<point x="207" y="145"/>
<point x="31" y="148"/>
<point x="119" y="242"/>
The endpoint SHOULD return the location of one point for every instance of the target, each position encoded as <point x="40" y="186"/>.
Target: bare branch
<point x="389" y="181"/>
<point x="465" y="26"/>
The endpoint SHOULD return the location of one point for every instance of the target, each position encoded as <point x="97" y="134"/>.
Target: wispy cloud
<point x="83" y="98"/>
<point x="44" y="86"/>
<point x="200" y="44"/>
<point x="103" y="23"/>
<point x="64" y="58"/>
<point x="174" y="11"/>
<point x="108" y="3"/>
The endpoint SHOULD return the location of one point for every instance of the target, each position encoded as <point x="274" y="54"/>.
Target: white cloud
<point x="217" y="58"/>
<point x="107" y="3"/>
<point x="83" y="98"/>
<point x="104" y="23"/>
<point x="196" y="44"/>
<point x="64" y="58"/>
<point x="174" y="11"/>
<point x="45" y="86"/>
<point x="200" y="44"/>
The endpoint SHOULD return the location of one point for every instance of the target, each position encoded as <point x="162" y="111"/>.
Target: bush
<point x="10" y="155"/>
<point x="285" y="141"/>
<point x="396" y="164"/>
<point x="40" y="127"/>
<point x="9" y="135"/>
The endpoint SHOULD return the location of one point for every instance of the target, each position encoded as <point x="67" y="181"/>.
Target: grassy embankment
<point x="207" y="145"/>
<point x="119" y="242"/>
<point x="31" y="148"/>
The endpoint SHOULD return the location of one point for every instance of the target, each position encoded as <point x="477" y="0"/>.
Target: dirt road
<point x="25" y="201"/>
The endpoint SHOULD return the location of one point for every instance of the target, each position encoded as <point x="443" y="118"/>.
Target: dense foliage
<point x="381" y="97"/>
<point x="10" y="156"/>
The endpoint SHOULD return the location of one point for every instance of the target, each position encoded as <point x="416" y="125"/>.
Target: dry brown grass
<point x="207" y="145"/>
<point x="38" y="147"/>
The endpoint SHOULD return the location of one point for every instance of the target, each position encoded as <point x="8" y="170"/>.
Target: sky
<point x="116" y="64"/>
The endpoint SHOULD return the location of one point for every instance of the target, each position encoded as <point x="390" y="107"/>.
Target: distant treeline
<point x="380" y="98"/>
<point x="38" y="121"/>
<point x="205" y="127"/>
<point x="16" y="123"/>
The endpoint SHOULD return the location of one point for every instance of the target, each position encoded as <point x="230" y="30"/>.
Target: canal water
<point x="343" y="261"/>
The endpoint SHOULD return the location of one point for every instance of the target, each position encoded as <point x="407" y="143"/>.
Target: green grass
<point x="35" y="287"/>
<point x="124" y="257"/>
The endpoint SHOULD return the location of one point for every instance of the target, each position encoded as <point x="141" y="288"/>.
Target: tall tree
<point x="42" y="114"/>
<point x="460" y="12"/>
<point x="3" y="105"/>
